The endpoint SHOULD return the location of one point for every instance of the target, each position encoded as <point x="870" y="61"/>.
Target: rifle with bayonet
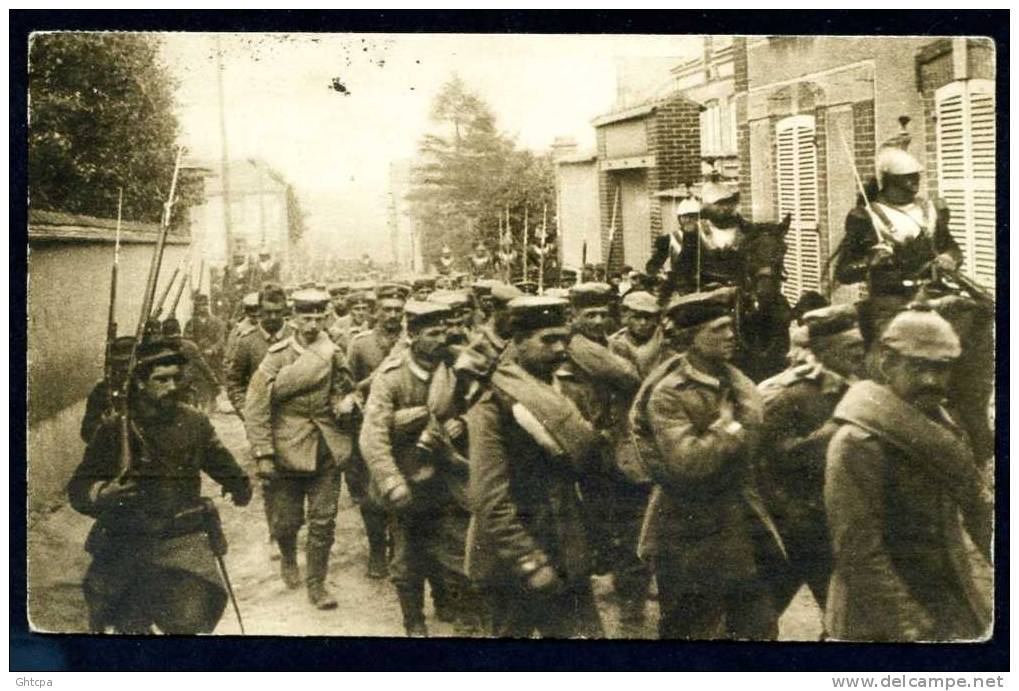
<point x="125" y="458"/>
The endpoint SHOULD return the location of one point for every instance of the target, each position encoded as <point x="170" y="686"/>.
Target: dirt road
<point x="367" y="607"/>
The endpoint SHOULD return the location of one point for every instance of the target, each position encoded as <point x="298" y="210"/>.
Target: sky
<point x="335" y="148"/>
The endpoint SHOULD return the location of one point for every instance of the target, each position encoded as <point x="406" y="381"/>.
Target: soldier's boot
<point x="318" y="566"/>
<point x="412" y="604"/>
<point x="289" y="570"/>
<point x="375" y="529"/>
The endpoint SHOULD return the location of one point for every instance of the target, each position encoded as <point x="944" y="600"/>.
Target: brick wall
<point x="863" y="138"/>
<point x="741" y="80"/>
<point x="674" y="139"/>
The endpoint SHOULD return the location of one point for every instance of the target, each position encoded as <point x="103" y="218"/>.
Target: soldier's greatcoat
<point x="248" y="354"/>
<point x="291" y="404"/>
<point x="130" y="541"/>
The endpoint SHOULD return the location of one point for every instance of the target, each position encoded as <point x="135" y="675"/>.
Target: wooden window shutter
<point x="796" y="165"/>
<point x="966" y="167"/>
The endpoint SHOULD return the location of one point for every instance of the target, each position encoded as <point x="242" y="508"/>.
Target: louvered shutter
<point x="796" y="165"/>
<point x="966" y="141"/>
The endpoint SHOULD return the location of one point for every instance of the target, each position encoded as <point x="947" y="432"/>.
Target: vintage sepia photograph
<point x="559" y="336"/>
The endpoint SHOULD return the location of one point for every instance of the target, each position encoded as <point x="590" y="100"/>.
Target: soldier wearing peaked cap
<point x="207" y="331"/>
<point x="640" y="339"/>
<point x="152" y="560"/>
<point x="478" y="359"/>
<point x="413" y="442"/>
<point x="338" y="313"/>
<point x="422" y="286"/>
<point x="798" y="407"/>
<point x="459" y="325"/>
<point x="605" y="384"/>
<point x="711" y="542"/>
<point x="367" y="350"/>
<point x="359" y="306"/>
<point x="529" y="444"/>
<point x="249" y="322"/>
<point x="899" y="475"/>
<point x="290" y="413"/>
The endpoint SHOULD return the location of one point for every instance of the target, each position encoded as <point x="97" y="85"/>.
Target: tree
<point x="101" y="118"/>
<point x="295" y="218"/>
<point x="468" y="175"/>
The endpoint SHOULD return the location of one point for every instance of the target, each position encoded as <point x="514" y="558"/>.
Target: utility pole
<point x="224" y="157"/>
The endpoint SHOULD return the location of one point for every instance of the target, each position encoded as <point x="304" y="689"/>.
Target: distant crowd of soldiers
<point x="504" y="446"/>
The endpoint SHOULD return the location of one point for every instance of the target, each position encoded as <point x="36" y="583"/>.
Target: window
<point x="966" y="140"/>
<point x="796" y="166"/>
<point x="718" y="128"/>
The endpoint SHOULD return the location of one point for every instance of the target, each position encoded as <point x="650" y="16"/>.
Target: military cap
<point x="307" y="284"/>
<point x="386" y="291"/>
<point x="695" y="309"/>
<point x="641" y="301"/>
<point x="591" y="294"/>
<point x="922" y="333"/>
<point x="714" y="192"/>
<point x="337" y="289"/>
<point x="310" y="301"/>
<point x="357" y="297"/>
<point x="563" y="293"/>
<point x="121" y="348"/>
<point x="831" y="320"/>
<point x="250" y="300"/>
<point x="567" y="274"/>
<point x="531" y="312"/>
<point x="483" y="286"/>
<point x="199" y="298"/>
<point x="423" y="283"/>
<point x="160" y="351"/>
<point x="529" y="287"/>
<point x="421" y="313"/>
<point x="502" y="293"/>
<point x="321" y="286"/>
<point x="688" y="207"/>
<point x="454" y="299"/>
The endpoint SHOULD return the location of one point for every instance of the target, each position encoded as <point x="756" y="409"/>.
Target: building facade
<point x="811" y="112"/>
<point x="643" y="150"/>
<point x="258" y="212"/>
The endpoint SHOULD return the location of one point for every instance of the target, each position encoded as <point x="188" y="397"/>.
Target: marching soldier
<point x="458" y="326"/>
<point x="706" y="532"/>
<point x="290" y="415"/>
<point x="899" y="474"/>
<point x="640" y="339"/>
<point x="338" y="315"/>
<point x="359" y="306"/>
<point x="409" y="441"/>
<point x="207" y="331"/>
<point x="368" y="349"/>
<point x="529" y="444"/>
<point x="247" y="324"/>
<point x="605" y="383"/>
<point x="798" y="406"/>
<point x="152" y="561"/>
<point x="253" y="345"/>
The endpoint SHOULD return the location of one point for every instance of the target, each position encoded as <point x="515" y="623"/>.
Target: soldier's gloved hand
<point x="240" y="492"/>
<point x="399" y="496"/>
<point x="265" y="468"/>
<point x="113" y="493"/>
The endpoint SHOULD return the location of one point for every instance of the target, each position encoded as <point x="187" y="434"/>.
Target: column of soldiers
<point x="504" y="447"/>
